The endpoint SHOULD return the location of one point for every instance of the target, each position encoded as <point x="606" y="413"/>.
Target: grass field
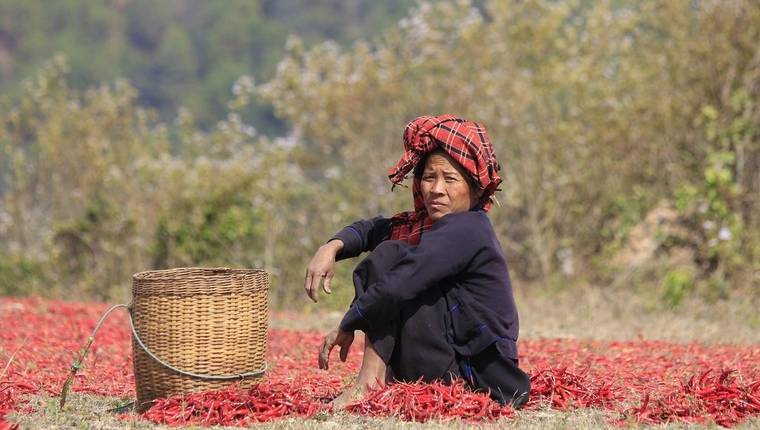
<point x="594" y="358"/>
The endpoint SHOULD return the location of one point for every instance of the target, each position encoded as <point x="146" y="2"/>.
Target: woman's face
<point x="445" y="188"/>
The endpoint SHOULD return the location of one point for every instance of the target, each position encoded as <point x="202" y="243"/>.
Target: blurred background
<point x="143" y="134"/>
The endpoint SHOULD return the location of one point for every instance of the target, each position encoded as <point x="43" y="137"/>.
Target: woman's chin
<point x="436" y="214"/>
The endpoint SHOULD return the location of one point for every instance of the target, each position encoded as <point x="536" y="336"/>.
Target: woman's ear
<point x="477" y="194"/>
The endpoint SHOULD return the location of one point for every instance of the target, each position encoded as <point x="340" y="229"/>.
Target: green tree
<point x="585" y="101"/>
<point x="177" y="53"/>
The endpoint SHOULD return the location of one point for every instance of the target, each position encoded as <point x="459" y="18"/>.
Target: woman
<point x="434" y="297"/>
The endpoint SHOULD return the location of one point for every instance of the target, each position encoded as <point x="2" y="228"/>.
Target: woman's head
<point x="445" y="185"/>
<point x="464" y="152"/>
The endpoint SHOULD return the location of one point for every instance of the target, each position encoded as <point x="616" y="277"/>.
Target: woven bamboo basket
<point x="197" y="329"/>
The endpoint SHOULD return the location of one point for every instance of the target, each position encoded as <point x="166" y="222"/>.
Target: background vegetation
<point x="177" y="53"/>
<point x="629" y="133"/>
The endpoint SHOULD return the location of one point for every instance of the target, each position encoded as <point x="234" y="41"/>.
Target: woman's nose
<point x="439" y="186"/>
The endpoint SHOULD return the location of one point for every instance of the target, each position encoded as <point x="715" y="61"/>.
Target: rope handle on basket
<point x="83" y="352"/>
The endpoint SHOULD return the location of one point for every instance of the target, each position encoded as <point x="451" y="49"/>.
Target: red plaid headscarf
<point x="464" y="141"/>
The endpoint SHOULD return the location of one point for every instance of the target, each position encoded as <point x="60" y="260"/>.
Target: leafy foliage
<point x="592" y="106"/>
<point x="177" y="53"/>
<point x="598" y="112"/>
<point x="98" y="190"/>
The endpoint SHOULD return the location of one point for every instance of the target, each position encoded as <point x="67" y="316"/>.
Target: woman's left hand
<point x="336" y="337"/>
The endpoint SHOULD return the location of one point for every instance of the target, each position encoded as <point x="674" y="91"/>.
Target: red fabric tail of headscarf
<point x="464" y="141"/>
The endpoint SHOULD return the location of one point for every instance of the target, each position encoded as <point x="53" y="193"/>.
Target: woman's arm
<point x="445" y="250"/>
<point x="362" y="236"/>
<point x="352" y="240"/>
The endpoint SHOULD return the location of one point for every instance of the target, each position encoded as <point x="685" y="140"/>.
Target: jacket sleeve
<point x="445" y="250"/>
<point x="362" y="236"/>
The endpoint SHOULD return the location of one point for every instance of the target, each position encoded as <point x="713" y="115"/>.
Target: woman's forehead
<point x="441" y="160"/>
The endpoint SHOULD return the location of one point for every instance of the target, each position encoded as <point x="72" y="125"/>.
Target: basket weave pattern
<point x="202" y="321"/>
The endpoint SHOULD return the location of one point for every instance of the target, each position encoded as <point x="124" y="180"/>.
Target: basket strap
<point x="183" y="372"/>
<point x="83" y="353"/>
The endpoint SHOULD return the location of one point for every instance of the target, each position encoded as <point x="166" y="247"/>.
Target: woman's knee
<point x="389" y="251"/>
<point x="380" y="260"/>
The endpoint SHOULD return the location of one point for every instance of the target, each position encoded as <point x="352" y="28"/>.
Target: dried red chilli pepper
<point x="682" y="382"/>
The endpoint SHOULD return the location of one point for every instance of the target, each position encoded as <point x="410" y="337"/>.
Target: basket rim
<point x="167" y="274"/>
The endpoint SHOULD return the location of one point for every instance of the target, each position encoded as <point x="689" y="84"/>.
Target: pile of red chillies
<point x="422" y="402"/>
<point x="641" y="381"/>
<point x="232" y="406"/>
<point x="716" y="397"/>
<point x="6" y="405"/>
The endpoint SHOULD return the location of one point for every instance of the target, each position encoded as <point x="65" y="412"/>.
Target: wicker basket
<point x="197" y="329"/>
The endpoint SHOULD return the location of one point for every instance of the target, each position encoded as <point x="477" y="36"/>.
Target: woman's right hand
<point x="322" y="268"/>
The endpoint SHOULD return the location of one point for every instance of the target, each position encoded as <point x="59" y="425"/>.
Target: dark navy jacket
<point x="460" y="255"/>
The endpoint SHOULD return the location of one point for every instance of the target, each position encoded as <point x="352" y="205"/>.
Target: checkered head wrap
<point x="464" y="141"/>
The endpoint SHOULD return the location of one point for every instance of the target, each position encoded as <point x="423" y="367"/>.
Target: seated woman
<point x="433" y="298"/>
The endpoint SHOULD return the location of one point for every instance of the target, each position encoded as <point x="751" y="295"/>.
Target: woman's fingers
<point x="326" y="283"/>
<point x="324" y="351"/>
<point x="316" y="278"/>
<point x="311" y="283"/>
<point x="307" y="284"/>
<point x="323" y="355"/>
<point x="345" y="346"/>
<point x="336" y="337"/>
<point x="320" y="269"/>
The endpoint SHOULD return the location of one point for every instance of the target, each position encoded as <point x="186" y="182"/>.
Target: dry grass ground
<point x="594" y="313"/>
<point x="90" y="412"/>
<point x="584" y="314"/>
